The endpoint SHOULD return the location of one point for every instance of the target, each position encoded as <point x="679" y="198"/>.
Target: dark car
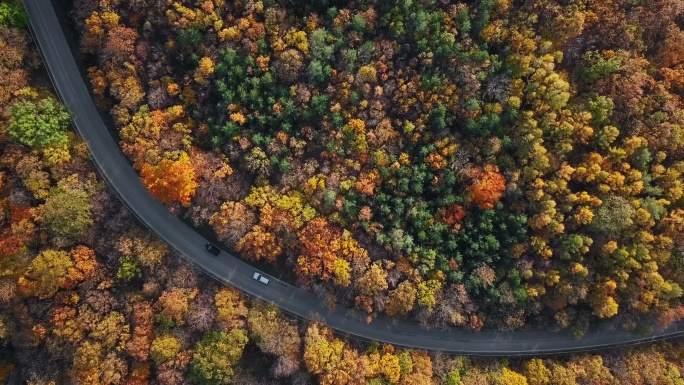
<point x="212" y="249"/>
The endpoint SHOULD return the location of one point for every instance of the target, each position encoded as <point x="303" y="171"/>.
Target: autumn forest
<point x="500" y="164"/>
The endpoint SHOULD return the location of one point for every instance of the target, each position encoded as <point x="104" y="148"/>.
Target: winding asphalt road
<point x="230" y="270"/>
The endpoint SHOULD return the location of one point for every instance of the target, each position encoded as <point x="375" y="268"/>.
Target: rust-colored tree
<point x="232" y="222"/>
<point x="85" y="264"/>
<point x="326" y="252"/>
<point x="171" y="180"/>
<point x="487" y="186"/>
<point x="120" y="44"/>
<point x="143" y="326"/>
<point x="259" y="244"/>
<point x="175" y="303"/>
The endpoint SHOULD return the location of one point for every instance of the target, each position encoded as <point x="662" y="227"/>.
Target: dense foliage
<point x="39" y="124"/>
<point x="100" y="301"/>
<point x="11" y="15"/>
<point x="499" y="161"/>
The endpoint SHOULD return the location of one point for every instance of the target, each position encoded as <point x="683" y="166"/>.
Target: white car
<point x="261" y="278"/>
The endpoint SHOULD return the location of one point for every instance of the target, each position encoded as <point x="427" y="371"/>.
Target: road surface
<point x="230" y="270"/>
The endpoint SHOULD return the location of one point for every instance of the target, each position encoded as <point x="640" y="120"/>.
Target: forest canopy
<point x="89" y="296"/>
<point x="460" y="163"/>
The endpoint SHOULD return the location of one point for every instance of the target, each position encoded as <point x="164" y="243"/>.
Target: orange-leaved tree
<point x="171" y="180"/>
<point x="259" y="244"/>
<point x="175" y="303"/>
<point x="487" y="188"/>
<point x="327" y="252"/>
<point x="85" y="263"/>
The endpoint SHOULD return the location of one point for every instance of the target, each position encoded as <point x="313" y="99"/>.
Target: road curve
<point x="227" y="269"/>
